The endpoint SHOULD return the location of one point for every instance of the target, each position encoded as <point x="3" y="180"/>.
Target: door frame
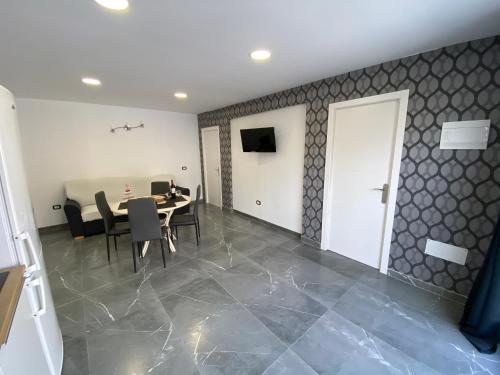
<point x="397" y="151"/>
<point x="203" y="133"/>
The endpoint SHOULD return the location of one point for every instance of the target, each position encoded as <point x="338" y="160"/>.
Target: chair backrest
<point x="83" y="190"/>
<point x="105" y="211"/>
<point x="198" y="195"/>
<point x="144" y="220"/>
<point x="160" y="187"/>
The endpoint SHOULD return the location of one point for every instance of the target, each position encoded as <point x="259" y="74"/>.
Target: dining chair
<point x="163" y="187"/>
<point x="145" y="225"/>
<point x="188" y="219"/>
<point x="112" y="228"/>
<point x="160" y="187"/>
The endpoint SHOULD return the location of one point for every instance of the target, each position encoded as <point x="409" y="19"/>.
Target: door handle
<point x="385" y="192"/>
<point x="30" y="268"/>
<point x="42" y="299"/>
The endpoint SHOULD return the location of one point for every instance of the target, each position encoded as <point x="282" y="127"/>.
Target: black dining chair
<point x="145" y="225"/>
<point x="160" y="187"/>
<point x="188" y="219"/>
<point x="163" y="187"/>
<point x="112" y="227"/>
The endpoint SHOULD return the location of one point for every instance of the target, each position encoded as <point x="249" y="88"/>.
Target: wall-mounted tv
<point x="258" y="140"/>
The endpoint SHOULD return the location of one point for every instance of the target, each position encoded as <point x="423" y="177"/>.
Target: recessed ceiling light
<point x="113" y="4"/>
<point x="91" y="81"/>
<point x="181" y="95"/>
<point x="260" y="55"/>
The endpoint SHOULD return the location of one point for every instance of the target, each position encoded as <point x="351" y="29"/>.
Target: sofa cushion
<point x="90" y="212"/>
<point x="83" y="190"/>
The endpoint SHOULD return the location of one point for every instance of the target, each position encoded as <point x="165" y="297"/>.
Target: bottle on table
<point x="172" y="188"/>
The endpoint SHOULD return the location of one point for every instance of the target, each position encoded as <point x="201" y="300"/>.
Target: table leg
<point x="170" y="235"/>
<point x="145" y="248"/>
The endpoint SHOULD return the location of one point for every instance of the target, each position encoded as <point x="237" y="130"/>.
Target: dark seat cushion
<point x="182" y="220"/>
<point x="120" y="228"/>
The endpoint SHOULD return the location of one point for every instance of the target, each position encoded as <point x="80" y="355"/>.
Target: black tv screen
<point x="258" y="140"/>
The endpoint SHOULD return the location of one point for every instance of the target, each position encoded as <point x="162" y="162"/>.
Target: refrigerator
<point x="34" y="344"/>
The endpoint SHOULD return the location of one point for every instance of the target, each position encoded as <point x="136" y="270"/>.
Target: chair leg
<point x="139" y="246"/>
<point x="197" y="234"/>
<point x="116" y="247"/>
<point x="133" y="256"/>
<point x="107" y="247"/>
<point x="176" y="233"/>
<point x="162" y="252"/>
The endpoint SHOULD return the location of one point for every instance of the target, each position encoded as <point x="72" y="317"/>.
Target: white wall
<point x="276" y="179"/>
<point x="65" y="140"/>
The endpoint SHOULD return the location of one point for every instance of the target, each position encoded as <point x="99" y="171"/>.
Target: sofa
<point x="81" y="211"/>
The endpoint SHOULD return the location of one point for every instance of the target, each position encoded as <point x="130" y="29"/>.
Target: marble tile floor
<point x="250" y="299"/>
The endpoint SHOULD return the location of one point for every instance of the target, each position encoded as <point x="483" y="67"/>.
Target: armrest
<point x="73" y="212"/>
<point x="72" y="203"/>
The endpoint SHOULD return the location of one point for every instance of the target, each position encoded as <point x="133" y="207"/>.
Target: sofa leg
<point x="79" y="237"/>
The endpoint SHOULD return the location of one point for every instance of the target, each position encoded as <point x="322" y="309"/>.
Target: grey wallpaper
<point x="446" y="195"/>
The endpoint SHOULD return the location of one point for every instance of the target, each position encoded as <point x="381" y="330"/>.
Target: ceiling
<point x="145" y="54"/>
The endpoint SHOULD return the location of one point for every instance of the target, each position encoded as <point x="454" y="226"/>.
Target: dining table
<point x="164" y="205"/>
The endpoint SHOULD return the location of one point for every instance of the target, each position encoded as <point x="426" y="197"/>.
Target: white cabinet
<point x="23" y="353"/>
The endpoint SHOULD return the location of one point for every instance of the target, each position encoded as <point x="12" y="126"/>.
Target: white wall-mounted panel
<point x="447" y="252"/>
<point x="274" y="179"/>
<point x="465" y="135"/>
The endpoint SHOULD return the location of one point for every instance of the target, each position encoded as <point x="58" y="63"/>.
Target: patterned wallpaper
<point x="447" y="195"/>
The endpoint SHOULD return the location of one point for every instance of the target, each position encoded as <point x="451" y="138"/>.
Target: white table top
<point x="115" y="210"/>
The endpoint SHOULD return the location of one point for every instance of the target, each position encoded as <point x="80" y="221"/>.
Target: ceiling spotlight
<point x="113" y="4"/>
<point x="181" y="95"/>
<point x="260" y="55"/>
<point x="91" y="81"/>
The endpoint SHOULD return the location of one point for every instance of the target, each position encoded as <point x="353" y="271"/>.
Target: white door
<point x="211" y="157"/>
<point x="366" y="140"/>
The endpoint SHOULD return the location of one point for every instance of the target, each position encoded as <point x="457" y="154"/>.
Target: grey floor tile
<point x="334" y="345"/>
<point x="397" y="289"/>
<point x="75" y="361"/>
<point x="289" y="363"/>
<point x="335" y="262"/>
<point x="129" y="352"/>
<point x="420" y="333"/>
<point x="65" y="286"/>
<point x="130" y="305"/>
<point x="287" y="312"/>
<point x="223" y="337"/>
<point x="71" y="319"/>
<point x="235" y="303"/>
<point x="250" y="245"/>
<point x="167" y="281"/>
<point x="321" y="283"/>
<point x="226" y="261"/>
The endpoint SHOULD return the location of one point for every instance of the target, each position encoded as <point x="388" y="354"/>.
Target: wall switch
<point x="56" y="207"/>
<point x="444" y="251"/>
